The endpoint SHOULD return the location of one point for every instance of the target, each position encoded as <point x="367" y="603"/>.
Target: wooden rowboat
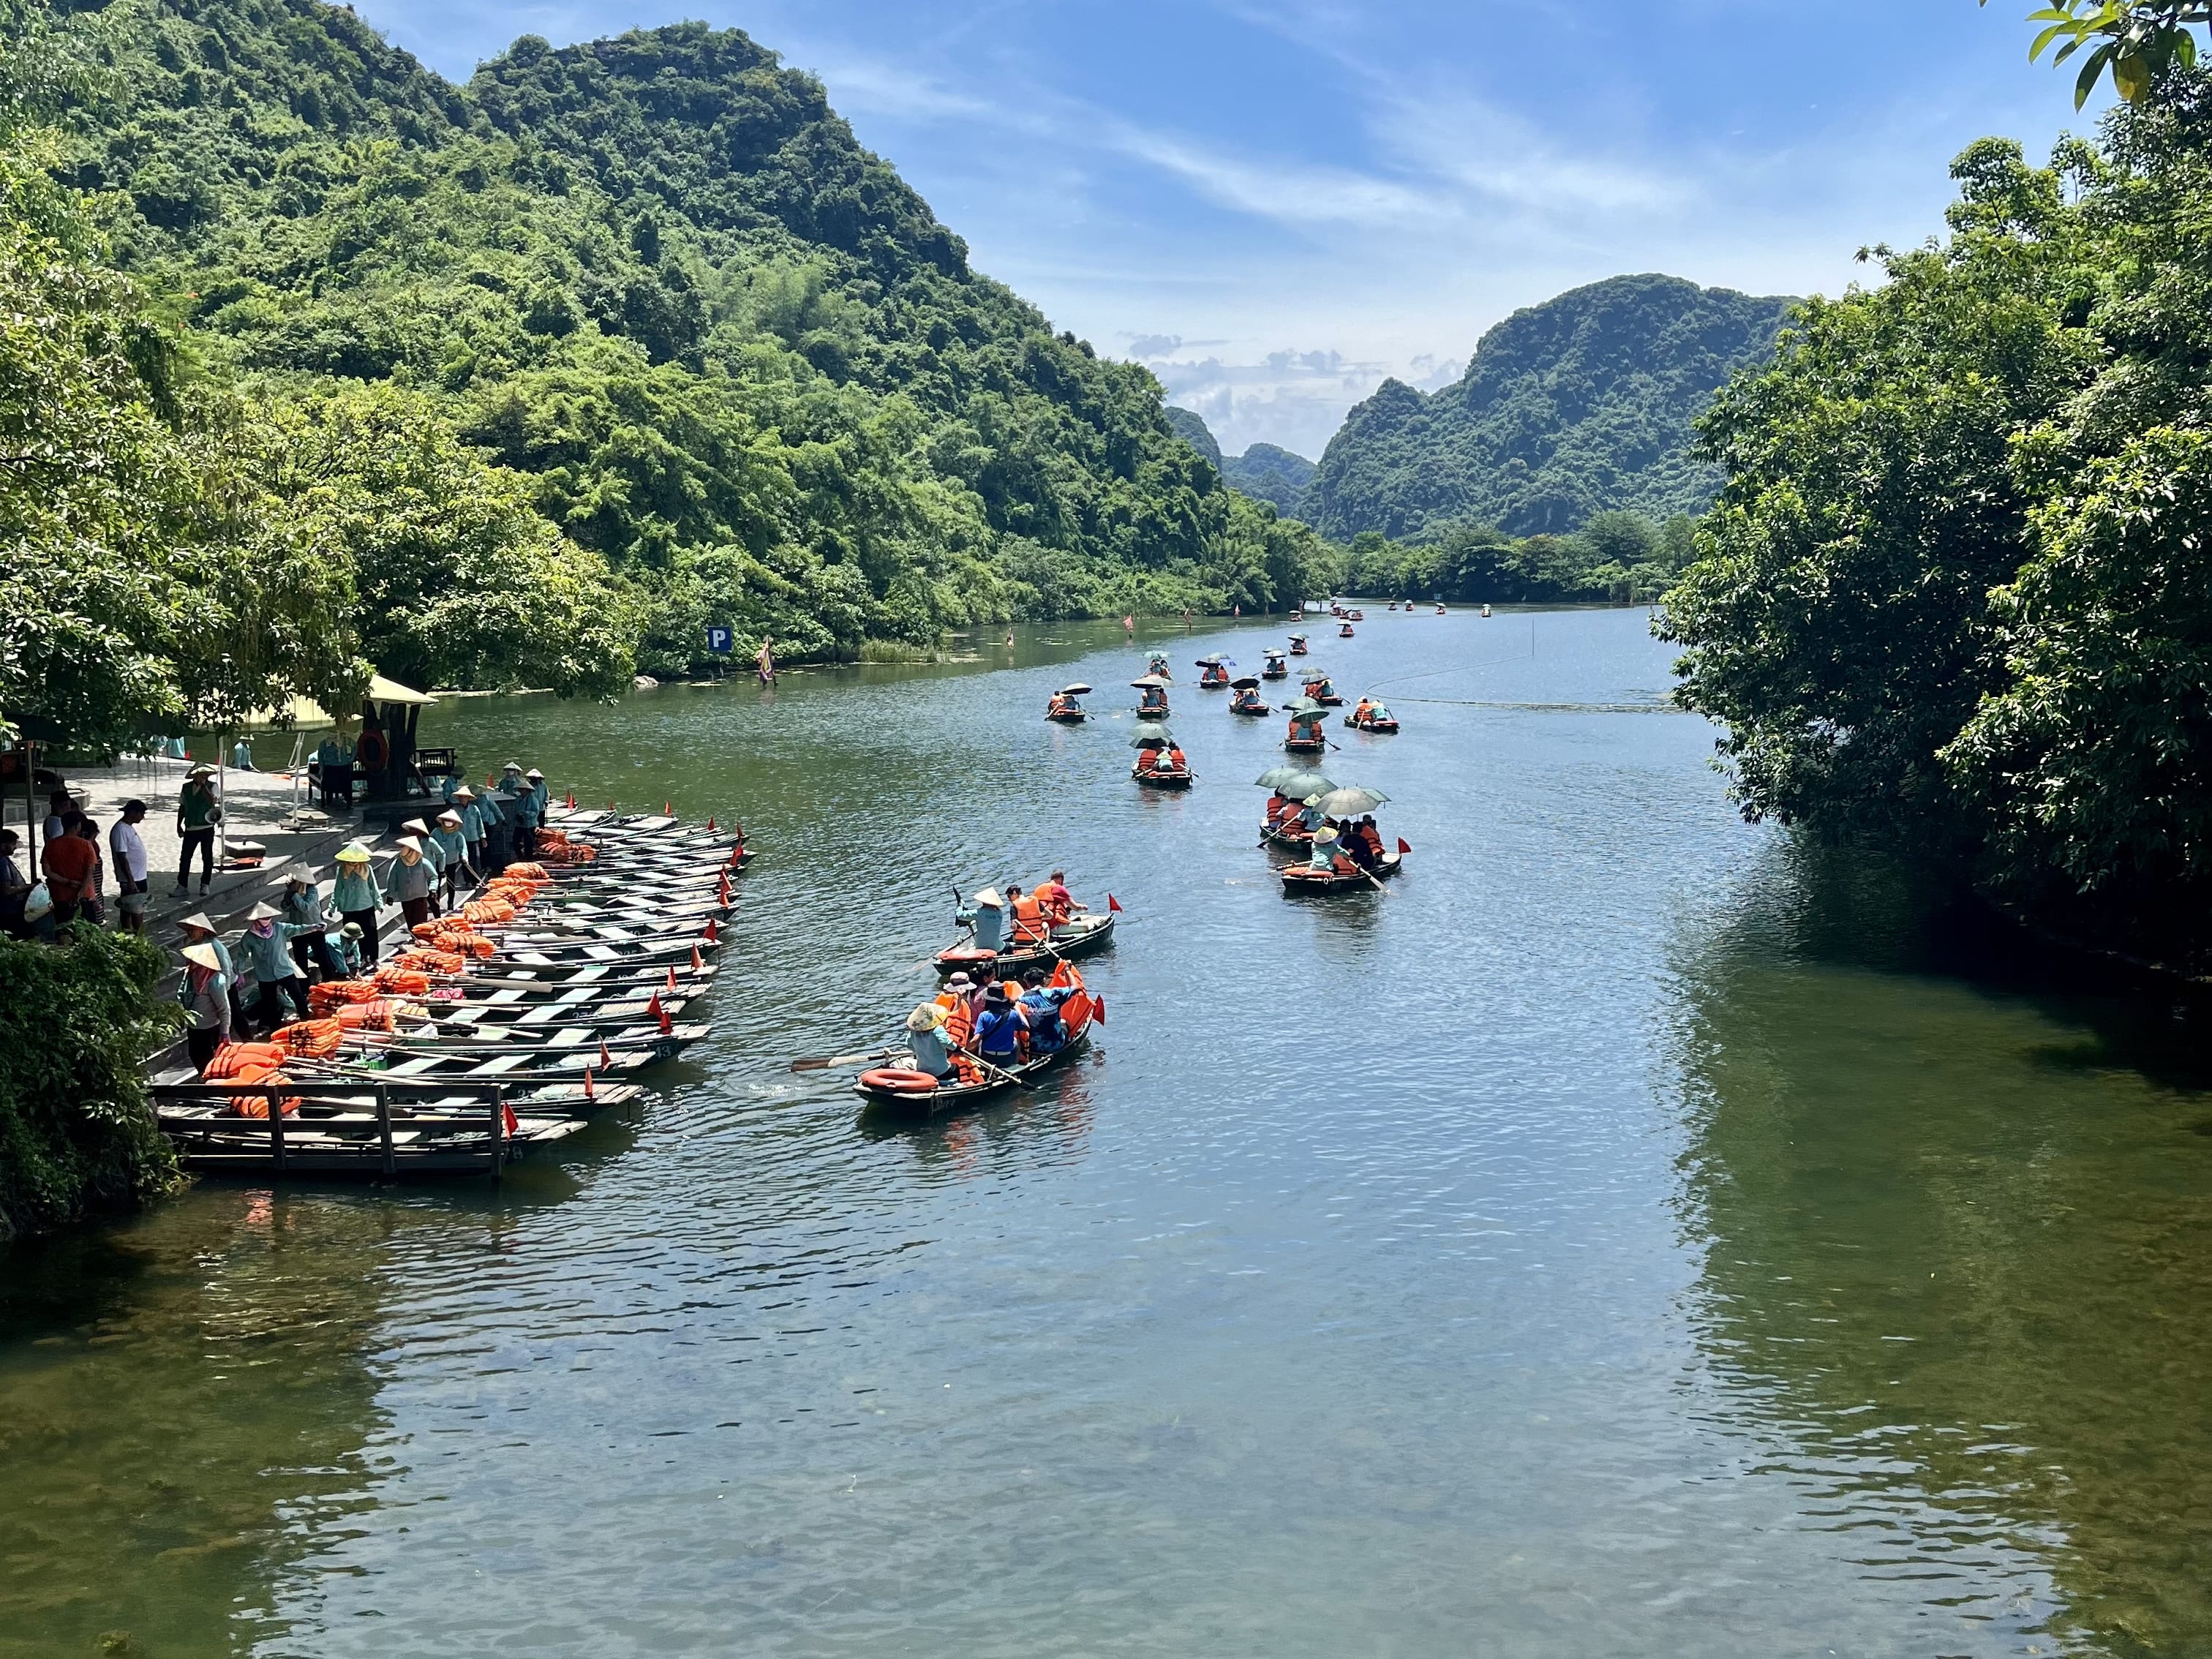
<point x="1302" y="880"/>
<point x="1083" y="936"/>
<point x="957" y="1097"/>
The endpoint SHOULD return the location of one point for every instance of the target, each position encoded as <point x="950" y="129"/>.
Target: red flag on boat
<point x="652" y="1005"/>
<point x="1402" y="848"/>
<point x="508" y="1112"/>
<point x="737" y="852"/>
<point x="696" y="964"/>
<point x="1113" y="903"/>
<point x="605" y="1059"/>
<point x="723" y="893"/>
<point x="590" y="1091"/>
<point x="1099" y="1009"/>
<point x="668" y="808"/>
<point x="667" y="1023"/>
<point x="714" y="933"/>
<point x="572" y="800"/>
<point x="671" y="977"/>
<point x="710" y="824"/>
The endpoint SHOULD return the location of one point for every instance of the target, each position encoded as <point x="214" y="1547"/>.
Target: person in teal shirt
<point x="451" y="848"/>
<point x="267" y="947"/>
<point x="303" y="909"/>
<point x="357" y="895"/>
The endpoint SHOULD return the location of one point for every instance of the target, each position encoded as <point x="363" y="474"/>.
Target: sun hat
<point x="989" y="897"/>
<point x="533" y="773"/>
<point x="202" y="770"/>
<point x="198" y="918"/>
<point x="1310" y="800"/>
<point x="512" y="766"/>
<point x="409" y="844"/>
<point x="353" y="852"/>
<point x="263" y="911"/>
<point x="352" y="930"/>
<point x="994" y="992"/>
<point x="927" y="1018"/>
<point x="415" y="827"/>
<point x="464" y="793"/>
<point x="449" y="816"/>
<point x="959" y="982"/>
<point x="202" y="956"/>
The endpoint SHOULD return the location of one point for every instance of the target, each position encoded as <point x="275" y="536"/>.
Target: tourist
<point x="131" y="870"/>
<point x="90" y="905"/>
<point x="451" y="848"/>
<point x="1031" y="927"/>
<point x="197" y="815"/>
<point x="61" y="816"/>
<point x="1059" y="905"/>
<point x="1040" y="1007"/>
<point x="965" y="992"/>
<point x="1000" y="1030"/>
<point x="15" y="889"/>
<point x="357" y="897"/>
<point x="72" y="866"/>
<point x="411" y="879"/>
<point x="241" y="756"/>
<point x="278" y="988"/>
<point x="204" y="993"/>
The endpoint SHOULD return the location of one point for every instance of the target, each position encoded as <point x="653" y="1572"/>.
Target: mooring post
<point x="384" y="1128"/>
<point x="276" y="1127"/>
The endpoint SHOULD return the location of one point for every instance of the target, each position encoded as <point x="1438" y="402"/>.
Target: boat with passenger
<point x="1245" y="696"/>
<point x="1065" y="707"/>
<point x="1274" y="668"/>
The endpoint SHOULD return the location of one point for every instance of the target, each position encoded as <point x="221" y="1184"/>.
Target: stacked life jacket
<point x="251" y="1062"/>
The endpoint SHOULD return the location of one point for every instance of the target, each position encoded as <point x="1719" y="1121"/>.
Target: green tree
<point x="2136" y="41"/>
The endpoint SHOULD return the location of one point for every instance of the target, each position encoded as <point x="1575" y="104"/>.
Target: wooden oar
<point x="1020" y="1083"/>
<point x="826" y="1062"/>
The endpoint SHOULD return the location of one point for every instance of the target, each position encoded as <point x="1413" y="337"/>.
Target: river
<point x="1631" y="1234"/>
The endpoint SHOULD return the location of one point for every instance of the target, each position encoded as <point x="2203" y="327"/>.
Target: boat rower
<point x="988" y="919"/>
<point x="928" y="1042"/>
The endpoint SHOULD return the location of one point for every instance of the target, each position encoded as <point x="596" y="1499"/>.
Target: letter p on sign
<point x="718" y="640"/>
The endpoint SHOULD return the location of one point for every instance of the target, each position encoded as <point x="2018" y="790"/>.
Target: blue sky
<point x="1277" y="205"/>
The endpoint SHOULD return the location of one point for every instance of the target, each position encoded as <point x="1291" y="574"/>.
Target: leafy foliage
<point x="2137" y="41"/>
<point x="77" y="1136"/>
<point x="1953" y="594"/>
<point x="1617" y="558"/>
<point x="724" y="349"/>
<point x="1581" y="405"/>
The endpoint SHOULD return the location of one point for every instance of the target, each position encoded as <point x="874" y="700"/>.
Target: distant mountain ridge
<point x="1263" y="471"/>
<point x="1581" y="405"/>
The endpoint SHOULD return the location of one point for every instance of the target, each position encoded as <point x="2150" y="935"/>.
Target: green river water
<point x="1631" y="1234"/>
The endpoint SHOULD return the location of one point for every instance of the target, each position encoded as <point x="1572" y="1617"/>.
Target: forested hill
<point x="1581" y="405"/>
<point x="654" y="287"/>
<point x="1263" y="471"/>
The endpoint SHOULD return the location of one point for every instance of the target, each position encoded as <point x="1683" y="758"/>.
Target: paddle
<point x="825" y="1063"/>
<point x="1004" y="1076"/>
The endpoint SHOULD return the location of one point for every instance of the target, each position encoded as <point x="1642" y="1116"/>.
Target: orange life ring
<point x="899" y="1081"/>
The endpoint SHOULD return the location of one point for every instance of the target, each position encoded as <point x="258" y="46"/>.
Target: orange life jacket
<point x="1029" y="918"/>
<point x="1177" y="762"/>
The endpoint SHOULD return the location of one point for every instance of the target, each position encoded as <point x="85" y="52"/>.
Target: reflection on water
<point x="1620" y="1237"/>
<point x="1956" y="1259"/>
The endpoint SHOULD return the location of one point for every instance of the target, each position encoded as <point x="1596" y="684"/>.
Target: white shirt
<point x="129" y="849"/>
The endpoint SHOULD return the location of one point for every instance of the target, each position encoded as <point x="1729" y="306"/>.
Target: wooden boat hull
<point x="1306" y="745"/>
<point x="957" y="1096"/>
<point x="1162" y="779"/>
<point x="1385" y="726"/>
<point x="1076" y="718"/>
<point x="1302" y="881"/>
<point x="1275" y="673"/>
<point x="1077" y="941"/>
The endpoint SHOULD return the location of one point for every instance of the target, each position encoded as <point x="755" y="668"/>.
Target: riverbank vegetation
<point x="1954" y="595"/>
<point x="77" y="1135"/>
<point x="1617" y="558"/>
<point x="532" y="380"/>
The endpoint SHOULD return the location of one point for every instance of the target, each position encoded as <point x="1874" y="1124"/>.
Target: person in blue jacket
<point x="1000" y="1031"/>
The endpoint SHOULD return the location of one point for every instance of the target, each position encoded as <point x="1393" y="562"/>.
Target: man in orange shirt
<point x="70" y="862"/>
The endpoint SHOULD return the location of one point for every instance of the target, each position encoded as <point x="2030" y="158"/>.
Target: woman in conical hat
<point x="357" y="895"/>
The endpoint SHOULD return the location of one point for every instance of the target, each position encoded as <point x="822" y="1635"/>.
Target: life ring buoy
<point x="899" y="1081"/>
<point x="965" y="955"/>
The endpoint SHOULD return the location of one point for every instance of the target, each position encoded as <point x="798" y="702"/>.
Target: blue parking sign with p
<point x="720" y="640"/>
